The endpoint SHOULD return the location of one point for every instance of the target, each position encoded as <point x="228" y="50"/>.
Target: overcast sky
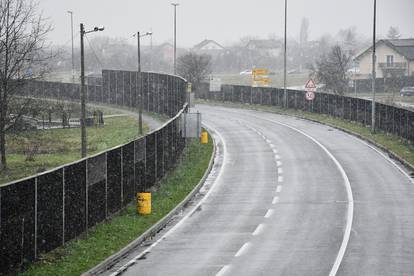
<point x="225" y="21"/>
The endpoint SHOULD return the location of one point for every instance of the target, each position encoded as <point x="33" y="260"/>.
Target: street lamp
<point x="373" y="70"/>
<point x="284" y="60"/>
<point x="139" y="71"/>
<point x="175" y="36"/>
<point x="83" y="92"/>
<point x="73" y="62"/>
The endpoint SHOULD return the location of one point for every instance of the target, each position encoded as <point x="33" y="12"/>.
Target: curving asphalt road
<point x="289" y="197"/>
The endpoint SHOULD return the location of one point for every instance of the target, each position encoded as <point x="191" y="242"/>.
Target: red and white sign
<point x="310" y="85"/>
<point x="310" y="95"/>
<point x="310" y="88"/>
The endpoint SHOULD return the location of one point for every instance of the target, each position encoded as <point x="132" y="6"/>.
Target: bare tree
<point x="22" y="40"/>
<point x="393" y="33"/>
<point x="331" y="70"/>
<point x="194" y="67"/>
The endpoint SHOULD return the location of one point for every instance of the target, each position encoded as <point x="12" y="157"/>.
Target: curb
<point x="153" y="230"/>
<point x="390" y="153"/>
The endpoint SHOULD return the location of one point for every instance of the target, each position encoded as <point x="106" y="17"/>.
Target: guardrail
<point x="390" y="119"/>
<point x="43" y="212"/>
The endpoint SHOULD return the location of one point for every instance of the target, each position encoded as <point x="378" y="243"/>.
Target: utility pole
<point x="284" y="60"/>
<point x="83" y="90"/>
<point x="175" y="37"/>
<point x="373" y="70"/>
<point x="83" y="96"/>
<point x="73" y="62"/>
<point x="151" y="51"/>
<point x="139" y="85"/>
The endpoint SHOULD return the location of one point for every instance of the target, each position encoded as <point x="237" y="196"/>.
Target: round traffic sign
<point x="309" y="95"/>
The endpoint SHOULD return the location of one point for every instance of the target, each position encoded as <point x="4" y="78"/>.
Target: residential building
<point x="394" y="57"/>
<point x="269" y="47"/>
<point x="208" y="46"/>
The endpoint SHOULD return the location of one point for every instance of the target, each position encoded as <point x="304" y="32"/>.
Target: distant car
<point x="407" y="91"/>
<point x="246" y="72"/>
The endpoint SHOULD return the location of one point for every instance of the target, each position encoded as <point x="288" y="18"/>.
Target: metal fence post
<point x="63" y="206"/>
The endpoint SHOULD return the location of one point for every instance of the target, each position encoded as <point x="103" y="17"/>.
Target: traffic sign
<point x="310" y="84"/>
<point x="310" y="95"/>
<point x="260" y="71"/>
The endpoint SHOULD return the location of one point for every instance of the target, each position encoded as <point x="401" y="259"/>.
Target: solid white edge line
<point x="348" y="188"/>
<point x="384" y="156"/>
<point x="242" y="249"/>
<point x="170" y="231"/>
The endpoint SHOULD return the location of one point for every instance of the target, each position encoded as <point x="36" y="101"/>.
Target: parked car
<point x="407" y="91"/>
<point x="246" y="72"/>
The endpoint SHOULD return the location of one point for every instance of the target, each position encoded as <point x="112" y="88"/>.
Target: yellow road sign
<point x="260" y="71"/>
<point x="265" y="80"/>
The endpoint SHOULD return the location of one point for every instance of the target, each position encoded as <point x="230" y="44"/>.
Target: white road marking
<point x="275" y="200"/>
<point x="280" y="179"/>
<point x="277" y="157"/>
<point x="223" y="270"/>
<point x="278" y="188"/>
<point x="278" y="163"/>
<point x="350" y="213"/>
<point x="272" y="146"/>
<point x="385" y="157"/>
<point x="269" y="213"/>
<point x="275" y="151"/>
<point x="243" y="249"/>
<point x="179" y="223"/>
<point x="258" y="229"/>
<point x="268" y="141"/>
<point x="279" y="170"/>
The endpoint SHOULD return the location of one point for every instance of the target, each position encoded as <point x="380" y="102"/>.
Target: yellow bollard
<point x="144" y="203"/>
<point x="204" y="137"/>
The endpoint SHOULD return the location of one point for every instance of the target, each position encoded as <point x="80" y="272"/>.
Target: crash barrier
<point x="390" y="119"/>
<point x="43" y="212"/>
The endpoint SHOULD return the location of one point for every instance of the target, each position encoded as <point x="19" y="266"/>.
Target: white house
<point x="395" y="57"/>
<point x="207" y="46"/>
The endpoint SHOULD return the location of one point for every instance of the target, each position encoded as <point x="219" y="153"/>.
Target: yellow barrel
<point x="204" y="137"/>
<point x="144" y="203"/>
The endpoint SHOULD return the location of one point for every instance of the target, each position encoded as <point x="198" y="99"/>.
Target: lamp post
<point x="73" y="62"/>
<point x="373" y="70"/>
<point x="175" y="36"/>
<point x="284" y="60"/>
<point x="83" y="92"/>
<point x="139" y="72"/>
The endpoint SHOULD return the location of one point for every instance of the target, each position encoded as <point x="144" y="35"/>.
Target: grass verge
<point x="56" y="147"/>
<point x="82" y="254"/>
<point x="396" y="144"/>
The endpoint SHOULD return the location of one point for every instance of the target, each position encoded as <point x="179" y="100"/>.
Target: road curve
<point x="284" y="202"/>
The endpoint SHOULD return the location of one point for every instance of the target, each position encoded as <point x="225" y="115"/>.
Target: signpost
<point x="310" y="88"/>
<point x="260" y="77"/>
